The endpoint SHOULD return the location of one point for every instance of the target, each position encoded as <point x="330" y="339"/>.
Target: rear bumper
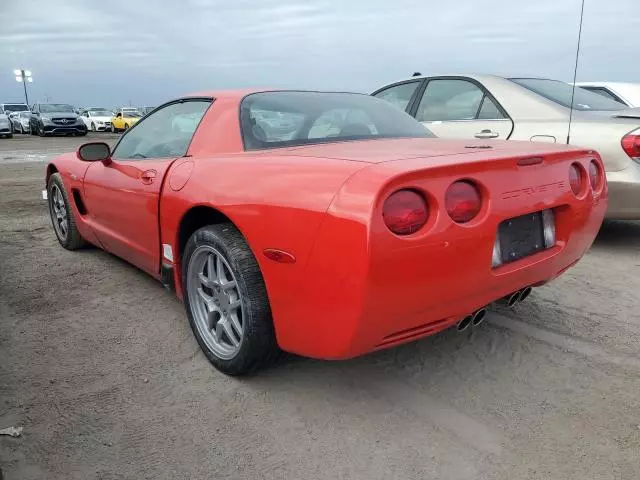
<point x="624" y="193"/>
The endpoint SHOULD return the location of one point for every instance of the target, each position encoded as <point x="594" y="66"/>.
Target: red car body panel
<point x="354" y="286"/>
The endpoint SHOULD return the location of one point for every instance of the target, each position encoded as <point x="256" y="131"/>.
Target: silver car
<point x="533" y="109"/>
<point x="20" y="121"/>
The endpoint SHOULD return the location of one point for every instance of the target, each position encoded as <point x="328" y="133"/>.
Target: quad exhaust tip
<point x="464" y="323"/>
<point x="472" y="320"/>
<point x="478" y="317"/>
<point x="515" y="297"/>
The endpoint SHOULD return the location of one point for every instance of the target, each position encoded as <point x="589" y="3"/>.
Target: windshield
<point x="100" y="113"/>
<point x="560" y="92"/>
<point x="55" y="108"/>
<point x="277" y="119"/>
<point x="15" y="108"/>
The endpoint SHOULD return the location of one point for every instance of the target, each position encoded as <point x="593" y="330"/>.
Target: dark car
<point x="55" y="118"/>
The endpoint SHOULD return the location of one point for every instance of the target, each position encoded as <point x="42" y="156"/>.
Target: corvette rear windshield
<point x="560" y="92"/>
<point x="281" y="119"/>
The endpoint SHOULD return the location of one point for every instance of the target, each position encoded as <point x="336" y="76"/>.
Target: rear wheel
<point x="64" y="223"/>
<point x="226" y="301"/>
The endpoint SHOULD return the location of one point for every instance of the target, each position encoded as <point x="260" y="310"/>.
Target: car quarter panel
<point x="276" y="202"/>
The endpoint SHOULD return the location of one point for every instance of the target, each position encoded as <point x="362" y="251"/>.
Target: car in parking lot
<point x="97" y="119"/>
<point x="533" y="109"/>
<point x="305" y="242"/>
<point x="7" y="108"/>
<point x="124" y="119"/>
<point x="55" y="119"/>
<point x="21" y="121"/>
<point x="6" y="129"/>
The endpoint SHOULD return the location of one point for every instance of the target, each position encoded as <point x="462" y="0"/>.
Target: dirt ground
<point x="98" y="364"/>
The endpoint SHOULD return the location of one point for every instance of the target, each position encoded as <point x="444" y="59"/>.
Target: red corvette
<point x="324" y="224"/>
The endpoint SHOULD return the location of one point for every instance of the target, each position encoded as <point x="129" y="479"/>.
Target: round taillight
<point x="575" y="178"/>
<point x="462" y="201"/>
<point x="405" y="212"/>
<point x="594" y="175"/>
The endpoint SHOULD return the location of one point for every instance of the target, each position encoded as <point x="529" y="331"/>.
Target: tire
<point x="40" y="131"/>
<point x="113" y="129"/>
<point x="72" y="240"/>
<point x="20" y="129"/>
<point x="10" y="135"/>
<point x="93" y="127"/>
<point x="257" y="345"/>
<point x="83" y="134"/>
<point x="126" y="126"/>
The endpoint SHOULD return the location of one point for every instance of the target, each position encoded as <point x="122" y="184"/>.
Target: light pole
<point x="24" y="76"/>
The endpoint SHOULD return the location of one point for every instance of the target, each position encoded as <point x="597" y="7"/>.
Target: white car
<point x="20" y="121"/>
<point x="627" y="93"/>
<point x="533" y="109"/>
<point x="97" y="119"/>
<point x="6" y="130"/>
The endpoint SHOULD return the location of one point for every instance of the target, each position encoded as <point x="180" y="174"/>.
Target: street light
<point x="24" y="76"/>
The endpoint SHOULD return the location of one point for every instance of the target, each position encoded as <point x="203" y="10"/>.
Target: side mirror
<point x="95" y="151"/>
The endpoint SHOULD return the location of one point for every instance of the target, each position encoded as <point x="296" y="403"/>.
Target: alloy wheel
<point x="59" y="213"/>
<point x="215" y="301"/>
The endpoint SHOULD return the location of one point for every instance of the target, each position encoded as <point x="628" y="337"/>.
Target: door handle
<point x="486" y="134"/>
<point x="147" y="176"/>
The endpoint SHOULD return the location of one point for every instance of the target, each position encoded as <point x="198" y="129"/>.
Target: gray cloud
<point x="114" y="52"/>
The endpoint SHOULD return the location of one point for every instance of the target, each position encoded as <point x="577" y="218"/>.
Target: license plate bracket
<point x="521" y="236"/>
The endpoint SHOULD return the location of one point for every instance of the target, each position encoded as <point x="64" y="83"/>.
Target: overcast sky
<point x="119" y="51"/>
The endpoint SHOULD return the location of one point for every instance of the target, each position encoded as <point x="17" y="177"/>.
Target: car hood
<point x="100" y="119"/>
<point x="383" y="150"/>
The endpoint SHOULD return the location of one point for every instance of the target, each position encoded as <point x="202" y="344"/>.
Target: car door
<point x="458" y="107"/>
<point x="122" y="197"/>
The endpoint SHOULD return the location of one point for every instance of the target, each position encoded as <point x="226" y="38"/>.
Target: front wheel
<point x="64" y="224"/>
<point x="126" y="126"/>
<point x="41" y="131"/>
<point x="226" y="301"/>
<point x="113" y="129"/>
<point x="93" y="127"/>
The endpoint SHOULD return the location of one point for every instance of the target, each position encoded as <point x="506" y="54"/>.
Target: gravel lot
<point x="98" y="364"/>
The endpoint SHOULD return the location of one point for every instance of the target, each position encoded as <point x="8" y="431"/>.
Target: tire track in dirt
<point x="564" y="342"/>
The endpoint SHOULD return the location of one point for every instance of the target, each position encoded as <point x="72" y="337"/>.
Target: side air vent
<point x="77" y="199"/>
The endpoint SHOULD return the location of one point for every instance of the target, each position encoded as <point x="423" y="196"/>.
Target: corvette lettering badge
<point x="528" y="191"/>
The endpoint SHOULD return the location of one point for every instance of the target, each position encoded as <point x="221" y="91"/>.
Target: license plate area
<point x="520" y="237"/>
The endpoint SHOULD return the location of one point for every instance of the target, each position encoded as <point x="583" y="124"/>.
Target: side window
<point x="164" y="134"/>
<point x="399" y="95"/>
<point x="489" y="110"/>
<point x="449" y="100"/>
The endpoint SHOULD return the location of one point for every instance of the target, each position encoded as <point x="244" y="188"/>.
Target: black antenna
<point x="575" y="72"/>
